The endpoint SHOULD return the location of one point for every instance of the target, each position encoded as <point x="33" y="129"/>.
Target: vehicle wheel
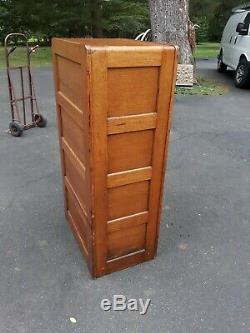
<point x="242" y="75"/>
<point x="16" y="129"/>
<point x="221" y="67"/>
<point x="40" y="120"/>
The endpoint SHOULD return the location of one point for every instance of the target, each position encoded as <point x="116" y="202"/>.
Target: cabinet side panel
<point x="142" y="96"/>
<point x="71" y="88"/>
<point x="132" y="95"/>
<point x="139" y="102"/>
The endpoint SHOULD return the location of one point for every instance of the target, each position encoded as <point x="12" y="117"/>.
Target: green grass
<point x="207" y="50"/>
<point x="41" y="58"/>
<point x="203" y="87"/>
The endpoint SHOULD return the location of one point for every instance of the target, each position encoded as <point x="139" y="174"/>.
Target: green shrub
<point x="202" y="30"/>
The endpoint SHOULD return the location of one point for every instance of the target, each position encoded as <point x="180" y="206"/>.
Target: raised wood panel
<point x="69" y="186"/>
<point x="130" y="150"/>
<point x="127" y="221"/>
<point x="79" y="238"/>
<point x="78" y="234"/>
<point x="128" y="177"/>
<point x="74" y="158"/>
<point x="70" y="81"/>
<point x="126" y="261"/>
<point x="142" y="57"/>
<point x="79" y="220"/>
<point x="135" y="123"/>
<point x="77" y="180"/>
<point x="132" y="90"/>
<point x="74" y="136"/>
<point x="73" y="111"/>
<point x="68" y="49"/>
<point x="127" y="200"/>
<point x="126" y="241"/>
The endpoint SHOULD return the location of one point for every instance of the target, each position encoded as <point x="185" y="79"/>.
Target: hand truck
<point x="19" y="121"/>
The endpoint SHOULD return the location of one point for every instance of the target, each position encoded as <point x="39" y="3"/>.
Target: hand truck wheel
<point x="40" y="120"/>
<point x="16" y="129"/>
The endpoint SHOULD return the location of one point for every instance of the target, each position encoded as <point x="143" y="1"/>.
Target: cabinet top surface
<point x="108" y="42"/>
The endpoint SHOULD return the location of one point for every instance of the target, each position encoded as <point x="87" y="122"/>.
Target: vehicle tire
<point x="40" y="120"/>
<point x="242" y="75"/>
<point x="16" y="129"/>
<point x="221" y="67"/>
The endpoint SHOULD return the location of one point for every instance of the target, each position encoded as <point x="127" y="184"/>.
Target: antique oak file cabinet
<point x="114" y="100"/>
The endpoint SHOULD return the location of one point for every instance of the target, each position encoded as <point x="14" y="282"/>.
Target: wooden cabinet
<point x="114" y="101"/>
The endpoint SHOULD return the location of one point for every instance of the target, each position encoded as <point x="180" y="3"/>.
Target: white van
<point x="235" y="46"/>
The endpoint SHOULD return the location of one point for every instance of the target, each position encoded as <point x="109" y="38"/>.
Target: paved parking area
<point x="199" y="281"/>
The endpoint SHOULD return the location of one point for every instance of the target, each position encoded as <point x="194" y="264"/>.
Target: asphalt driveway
<point x="199" y="281"/>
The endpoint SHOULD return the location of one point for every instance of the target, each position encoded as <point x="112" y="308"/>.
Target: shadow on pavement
<point x="207" y="68"/>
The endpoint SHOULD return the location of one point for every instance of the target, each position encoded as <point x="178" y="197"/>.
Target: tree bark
<point x="170" y="23"/>
<point x="96" y="6"/>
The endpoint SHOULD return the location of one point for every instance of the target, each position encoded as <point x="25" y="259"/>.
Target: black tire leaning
<point x="40" y="120"/>
<point x="16" y="129"/>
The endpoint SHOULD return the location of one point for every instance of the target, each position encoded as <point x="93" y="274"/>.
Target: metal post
<point x="23" y="99"/>
<point x="31" y="95"/>
<point x="10" y="96"/>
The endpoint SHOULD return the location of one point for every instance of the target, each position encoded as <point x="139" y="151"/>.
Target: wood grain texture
<point x="70" y="188"/>
<point x="73" y="134"/>
<point x="129" y="177"/>
<point x="164" y="109"/>
<point x="125" y="261"/>
<point x="126" y="241"/>
<point x="127" y="221"/>
<point x="142" y="57"/>
<point x="129" y="151"/>
<point x="135" y="123"/>
<point x="132" y="91"/>
<point x="114" y="100"/>
<point x="70" y="108"/>
<point x="78" y="218"/>
<point x="128" y="199"/>
<point x="99" y="158"/>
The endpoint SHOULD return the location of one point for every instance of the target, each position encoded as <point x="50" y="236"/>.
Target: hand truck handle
<point x="33" y="49"/>
<point x="12" y="49"/>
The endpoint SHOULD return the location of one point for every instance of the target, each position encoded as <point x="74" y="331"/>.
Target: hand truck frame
<point x="19" y="123"/>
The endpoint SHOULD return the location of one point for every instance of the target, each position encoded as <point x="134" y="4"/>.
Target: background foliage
<point x="111" y="18"/>
<point x="47" y="18"/>
<point x="212" y="16"/>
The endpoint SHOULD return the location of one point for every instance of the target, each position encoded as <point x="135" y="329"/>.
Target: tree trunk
<point x="96" y="6"/>
<point x="170" y="23"/>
